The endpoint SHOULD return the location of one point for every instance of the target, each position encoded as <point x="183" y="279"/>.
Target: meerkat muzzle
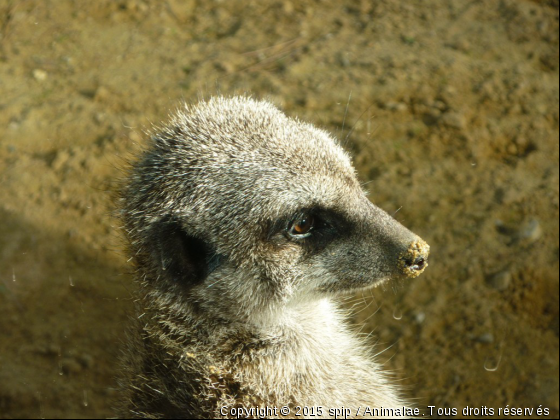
<point x="414" y="260"/>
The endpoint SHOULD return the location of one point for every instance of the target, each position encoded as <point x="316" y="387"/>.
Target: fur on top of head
<point x="234" y="165"/>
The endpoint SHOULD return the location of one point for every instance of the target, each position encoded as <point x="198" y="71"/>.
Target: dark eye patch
<point x="312" y="228"/>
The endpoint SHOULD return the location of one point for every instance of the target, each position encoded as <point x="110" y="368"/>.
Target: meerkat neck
<point x="301" y="320"/>
<point x="297" y="313"/>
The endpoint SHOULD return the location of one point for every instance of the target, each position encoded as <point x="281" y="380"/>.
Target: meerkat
<point x="244" y="225"/>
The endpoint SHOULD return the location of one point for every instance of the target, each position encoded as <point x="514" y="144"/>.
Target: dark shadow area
<point x="62" y="316"/>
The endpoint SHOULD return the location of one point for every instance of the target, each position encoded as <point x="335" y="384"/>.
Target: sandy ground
<point x="450" y="109"/>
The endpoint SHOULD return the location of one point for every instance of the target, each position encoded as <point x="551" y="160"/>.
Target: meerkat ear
<point x="179" y="257"/>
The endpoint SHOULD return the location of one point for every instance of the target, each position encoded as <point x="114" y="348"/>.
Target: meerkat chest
<point x="304" y="361"/>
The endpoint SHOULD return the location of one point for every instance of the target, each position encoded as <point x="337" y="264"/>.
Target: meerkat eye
<point x="302" y="225"/>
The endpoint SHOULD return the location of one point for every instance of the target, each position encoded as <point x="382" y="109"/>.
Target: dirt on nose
<point x="414" y="260"/>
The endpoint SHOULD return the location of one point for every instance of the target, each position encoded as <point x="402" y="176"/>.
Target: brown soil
<point x="449" y="107"/>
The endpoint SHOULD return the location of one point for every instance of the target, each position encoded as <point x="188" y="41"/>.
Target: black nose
<point x="417" y="264"/>
<point x="414" y="260"/>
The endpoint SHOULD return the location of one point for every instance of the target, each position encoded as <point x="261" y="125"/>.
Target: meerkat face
<point x="237" y="201"/>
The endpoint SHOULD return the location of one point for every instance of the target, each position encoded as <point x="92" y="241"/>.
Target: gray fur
<point x="234" y="310"/>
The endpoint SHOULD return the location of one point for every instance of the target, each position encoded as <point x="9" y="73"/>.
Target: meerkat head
<point x="235" y="205"/>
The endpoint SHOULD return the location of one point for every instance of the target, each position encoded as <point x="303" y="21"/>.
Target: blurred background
<point x="449" y="108"/>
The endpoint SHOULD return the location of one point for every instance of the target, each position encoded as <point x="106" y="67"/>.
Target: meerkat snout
<point x="243" y="224"/>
